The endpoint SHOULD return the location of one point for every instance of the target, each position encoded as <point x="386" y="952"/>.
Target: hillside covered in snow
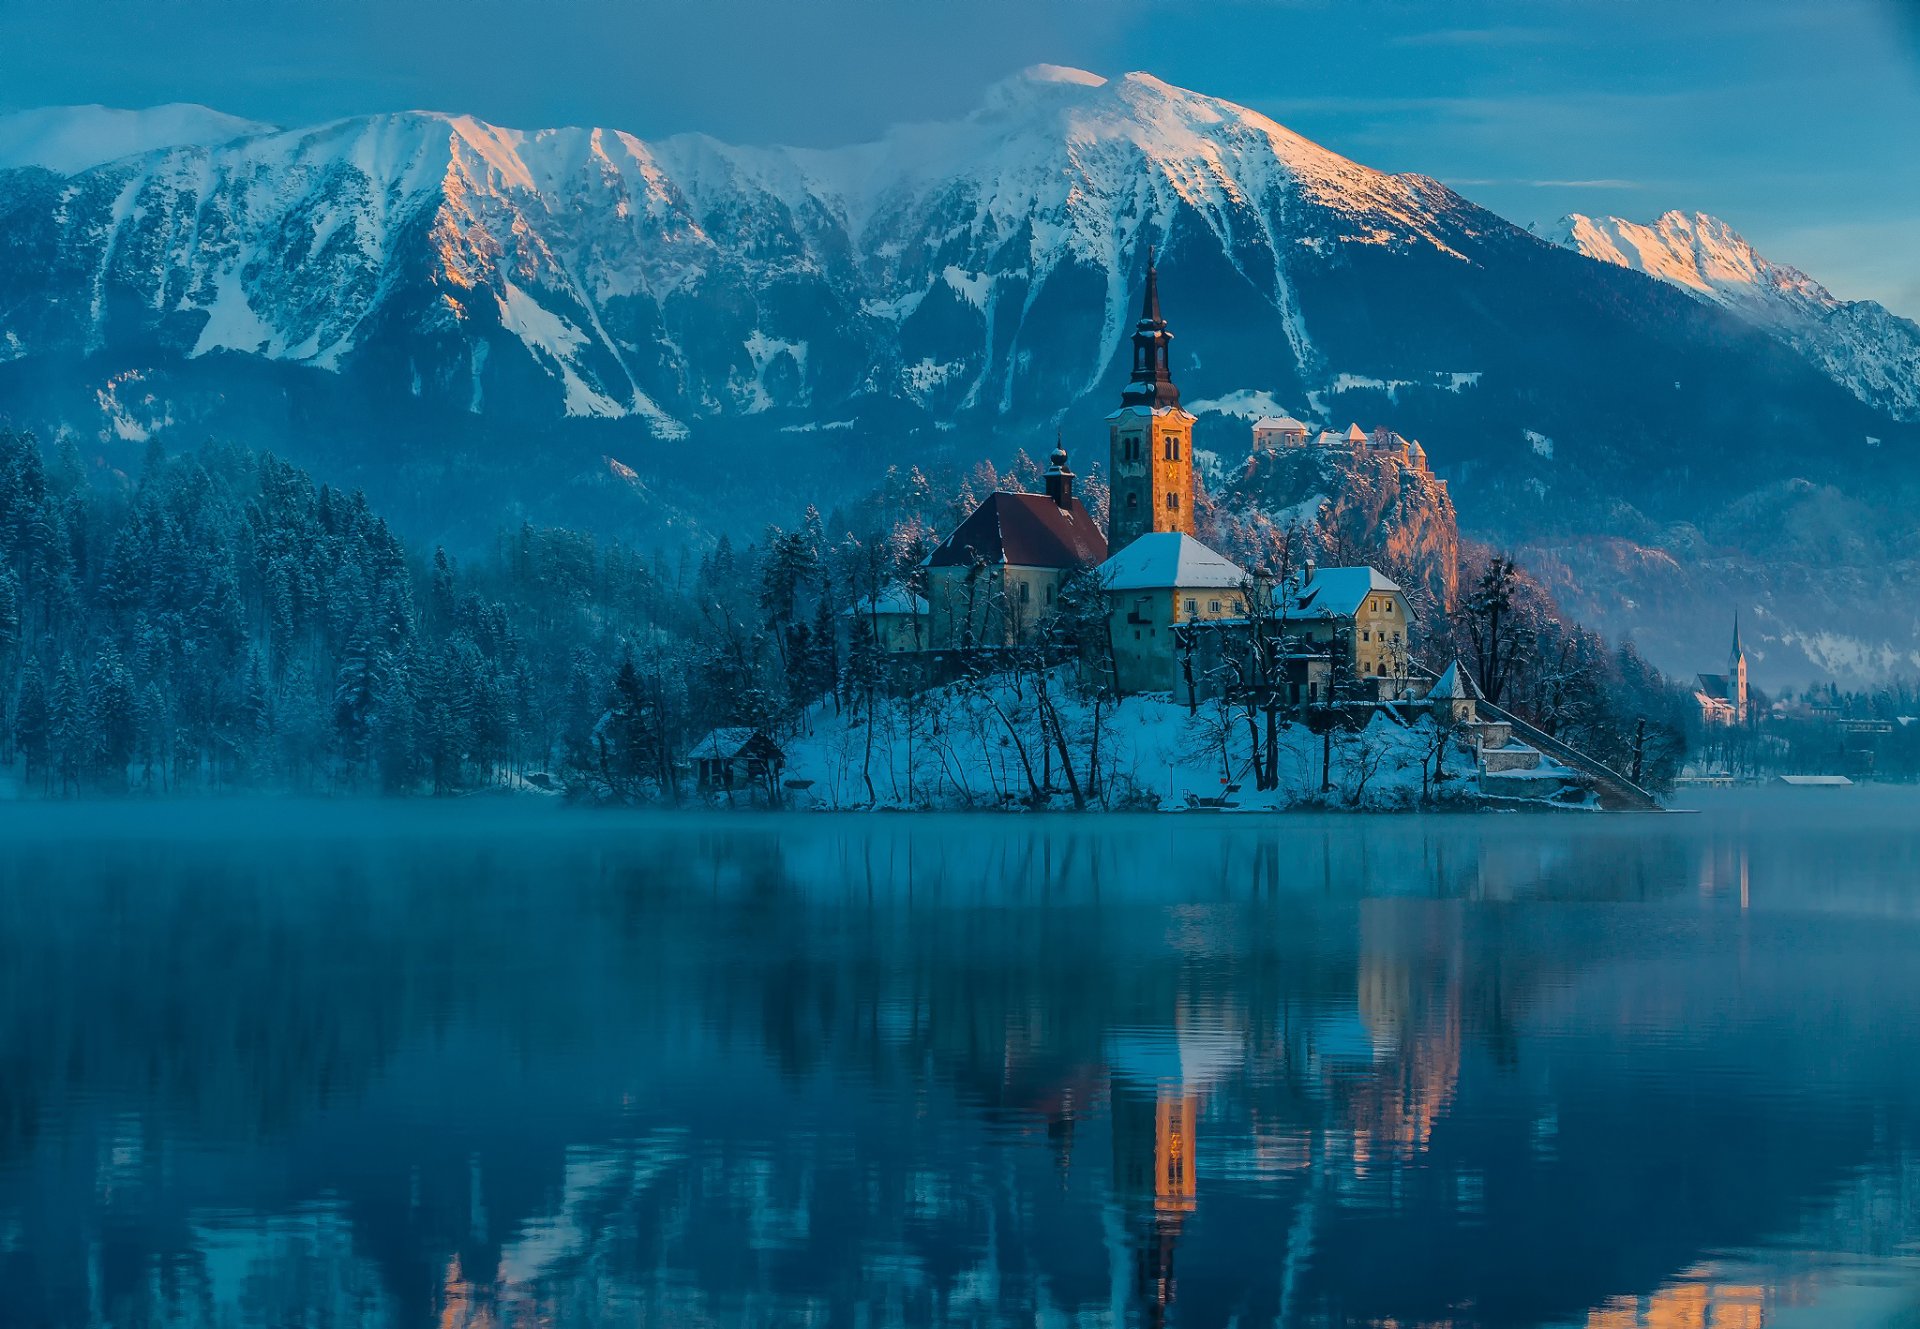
<point x="668" y="339"/>
<point x="1870" y="351"/>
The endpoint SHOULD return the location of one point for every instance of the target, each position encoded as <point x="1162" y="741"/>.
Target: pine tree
<point x="67" y="737"/>
<point x="113" y="721"/>
<point x="33" y="725"/>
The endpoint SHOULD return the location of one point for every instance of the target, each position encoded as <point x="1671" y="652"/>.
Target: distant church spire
<point x="1151" y="384"/>
<point x="1737" y="694"/>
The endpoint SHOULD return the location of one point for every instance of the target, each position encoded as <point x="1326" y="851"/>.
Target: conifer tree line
<point x="221" y="621"/>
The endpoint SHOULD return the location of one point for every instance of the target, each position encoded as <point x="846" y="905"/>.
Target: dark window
<point x="1023" y="592"/>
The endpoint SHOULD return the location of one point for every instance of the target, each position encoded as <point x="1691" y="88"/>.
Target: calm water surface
<point x="480" y="1064"/>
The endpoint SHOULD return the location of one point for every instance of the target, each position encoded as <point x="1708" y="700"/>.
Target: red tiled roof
<point x="1024" y="530"/>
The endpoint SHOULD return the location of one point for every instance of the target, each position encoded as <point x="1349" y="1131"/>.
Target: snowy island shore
<point x="970" y="748"/>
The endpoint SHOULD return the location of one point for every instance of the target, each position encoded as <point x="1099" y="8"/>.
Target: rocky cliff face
<point x="478" y="324"/>
<point x="1344" y="508"/>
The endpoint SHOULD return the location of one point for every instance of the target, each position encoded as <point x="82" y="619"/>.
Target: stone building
<point x="1271" y="433"/>
<point x="1364" y="609"/>
<point x="1282" y="432"/>
<point x="1150" y="467"/>
<point x="899" y="619"/>
<point x="1160" y="580"/>
<point x="999" y="574"/>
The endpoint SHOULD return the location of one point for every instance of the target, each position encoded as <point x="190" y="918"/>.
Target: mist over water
<point x="477" y="1063"/>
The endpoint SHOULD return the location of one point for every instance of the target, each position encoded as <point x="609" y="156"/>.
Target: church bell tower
<point x="1151" y="466"/>
<point x="1737" y="675"/>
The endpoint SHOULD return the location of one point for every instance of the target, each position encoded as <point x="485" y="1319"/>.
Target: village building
<point x="1150" y="464"/>
<point x="1271" y="433"/>
<point x="996" y="578"/>
<point x="736" y="760"/>
<point x="1456" y="695"/>
<point x="1723" y="698"/>
<point x="898" y="618"/>
<point x="1282" y="432"/>
<point x="1160" y="580"/>
<point x="1361" y="611"/>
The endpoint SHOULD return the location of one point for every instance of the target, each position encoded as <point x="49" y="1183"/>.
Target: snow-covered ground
<point x="973" y="745"/>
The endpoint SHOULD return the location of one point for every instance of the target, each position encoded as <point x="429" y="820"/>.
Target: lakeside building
<point x="1723" y="698"/>
<point x="1158" y="581"/>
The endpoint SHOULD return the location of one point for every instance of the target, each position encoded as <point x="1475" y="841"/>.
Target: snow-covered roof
<point x="1286" y="424"/>
<point x="723" y="742"/>
<point x="1165" y="560"/>
<point x="1339" y="592"/>
<point x="892" y="600"/>
<point x="1455" y="685"/>
<point x="1355" y="434"/>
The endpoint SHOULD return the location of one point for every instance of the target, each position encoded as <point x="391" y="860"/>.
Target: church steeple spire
<point x="1151" y="384"/>
<point x="1737" y="694"/>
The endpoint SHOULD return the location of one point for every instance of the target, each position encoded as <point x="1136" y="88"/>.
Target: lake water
<point x="481" y="1064"/>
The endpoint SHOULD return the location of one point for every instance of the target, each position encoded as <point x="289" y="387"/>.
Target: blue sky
<point x="1798" y="122"/>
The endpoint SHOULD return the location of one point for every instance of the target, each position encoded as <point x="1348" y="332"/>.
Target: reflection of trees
<point x="812" y="1063"/>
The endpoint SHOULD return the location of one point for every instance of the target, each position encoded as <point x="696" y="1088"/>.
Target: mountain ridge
<point x="576" y="325"/>
<point x="1865" y="347"/>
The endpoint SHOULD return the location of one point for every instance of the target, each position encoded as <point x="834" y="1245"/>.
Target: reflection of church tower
<point x="1737" y="675"/>
<point x="1154" y="1180"/>
<point x="1151" y="465"/>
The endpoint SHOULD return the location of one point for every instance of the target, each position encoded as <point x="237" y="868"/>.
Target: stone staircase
<point x="1519" y="760"/>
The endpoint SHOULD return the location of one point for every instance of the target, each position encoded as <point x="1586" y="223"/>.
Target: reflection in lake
<point x="477" y="1065"/>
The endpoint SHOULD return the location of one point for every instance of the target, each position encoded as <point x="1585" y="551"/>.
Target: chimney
<point x="1309" y="570"/>
<point x="1059" y="478"/>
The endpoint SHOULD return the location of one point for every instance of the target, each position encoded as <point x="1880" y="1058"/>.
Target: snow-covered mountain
<point x="682" y="279"/>
<point x="479" y="324"/>
<point x="1870" y="351"/>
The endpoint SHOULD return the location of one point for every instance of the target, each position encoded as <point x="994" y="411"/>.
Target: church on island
<point x="1178" y="610"/>
<point x="1333" y="647"/>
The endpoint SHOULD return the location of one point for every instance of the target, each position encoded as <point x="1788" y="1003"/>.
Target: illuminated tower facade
<point x="1151" y="465"/>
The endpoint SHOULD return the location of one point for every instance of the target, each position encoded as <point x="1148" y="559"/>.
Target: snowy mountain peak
<point x="1698" y="252"/>
<point x="1871" y="352"/>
